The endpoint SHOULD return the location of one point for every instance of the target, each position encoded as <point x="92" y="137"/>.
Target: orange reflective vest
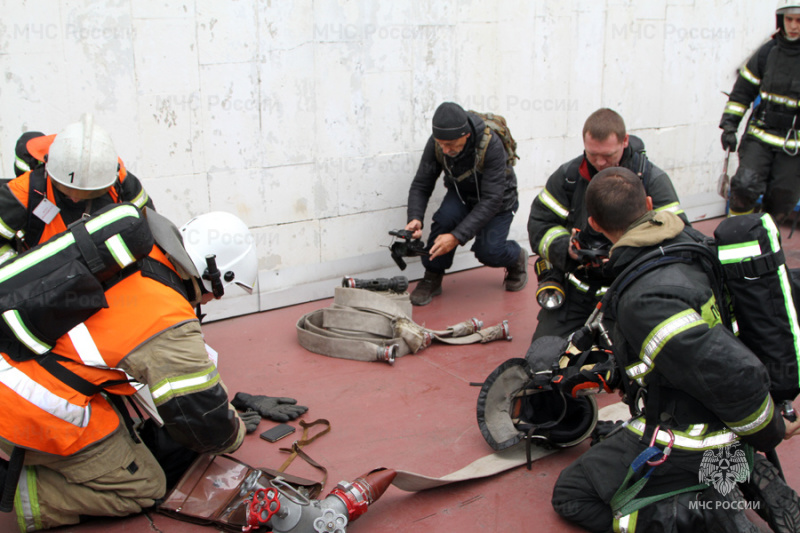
<point x="45" y="414"/>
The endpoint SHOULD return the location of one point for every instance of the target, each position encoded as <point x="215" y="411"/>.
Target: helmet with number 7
<point x="83" y="157"/>
<point x="228" y="238"/>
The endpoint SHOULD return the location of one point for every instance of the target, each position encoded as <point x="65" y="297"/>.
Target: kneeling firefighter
<point x="705" y="396"/>
<point x="89" y="315"/>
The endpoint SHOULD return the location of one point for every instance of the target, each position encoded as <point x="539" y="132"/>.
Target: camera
<point x="550" y="292"/>
<point x="405" y="246"/>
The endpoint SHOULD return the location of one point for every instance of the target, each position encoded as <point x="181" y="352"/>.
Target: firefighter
<point x="705" y="394"/>
<point x="70" y="174"/>
<point x="558" y="219"/>
<point x="82" y="456"/>
<point x="768" y="153"/>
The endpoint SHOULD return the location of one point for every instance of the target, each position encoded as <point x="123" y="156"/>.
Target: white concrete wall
<point x="307" y="117"/>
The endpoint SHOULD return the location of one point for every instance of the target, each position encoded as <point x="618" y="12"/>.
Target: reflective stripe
<point x="755" y="422"/>
<point x="735" y="108"/>
<point x="6" y="231"/>
<point x="674" y="207"/>
<point x="749" y="76"/>
<point x="119" y="250"/>
<point x="26" y="501"/>
<point x="625" y="524"/>
<point x="554" y="205"/>
<point x="663" y="332"/>
<point x="85" y="346"/>
<point x="548" y="238"/>
<point x="7" y="252"/>
<point x="686" y="442"/>
<point x="778" y="99"/>
<point x="169" y="388"/>
<point x="111" y="216"/>
<point x="769" y="138"/>
<point x="581" y="286"/>
<point x="42" y="398"/>
<point x="141" y="199"/>
<point x="786" y="284"/>
<point x="14" y="321"/>
<point x="695" y="430"/>
<point x="21" y="164"/>
<point x="734" y="253"/>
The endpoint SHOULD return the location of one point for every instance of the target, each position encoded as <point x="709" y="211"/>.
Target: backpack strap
<point x="37" y="192"/>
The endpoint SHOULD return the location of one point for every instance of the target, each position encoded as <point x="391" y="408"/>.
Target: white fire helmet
<point x="83" y="157"/>
<point x="788" y="7"/>
<point x="227" y="237"/>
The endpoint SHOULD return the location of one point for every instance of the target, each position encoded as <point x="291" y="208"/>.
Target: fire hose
<point x="285" y="510"/>
<point x="371" y="326"/>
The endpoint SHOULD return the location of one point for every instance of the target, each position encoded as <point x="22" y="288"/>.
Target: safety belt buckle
<point x="667" y="450"/>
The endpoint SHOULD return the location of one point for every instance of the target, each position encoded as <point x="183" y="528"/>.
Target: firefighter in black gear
<point x="704" y="391"/>
<point x="768" y="154"/>
<point x="558" y="212"/>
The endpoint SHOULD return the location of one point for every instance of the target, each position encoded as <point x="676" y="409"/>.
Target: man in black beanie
<point x="480" y="202"/>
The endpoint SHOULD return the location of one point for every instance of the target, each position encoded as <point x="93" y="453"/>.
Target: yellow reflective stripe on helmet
<point x="21" y="164"/>
<point x="554" y="205"/>
<point x="749" y="76"/>
<point x="674" y="207"/>
<point x="771" y="139"/>
<point x="685" y="441"/>
<point x="26" y="501"/>
<point x="735" y="108"/>
<point x="548" y="238"/>
<point x="41" y="397"/>
<point x="779" y="99"/>
<point x="757" y="421"/>
<point x="169" y="388"/>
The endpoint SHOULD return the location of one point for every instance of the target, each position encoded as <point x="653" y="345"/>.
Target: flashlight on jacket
<point x="550" y="292"/>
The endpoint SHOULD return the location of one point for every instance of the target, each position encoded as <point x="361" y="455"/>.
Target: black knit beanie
<point x="450" y="122"/>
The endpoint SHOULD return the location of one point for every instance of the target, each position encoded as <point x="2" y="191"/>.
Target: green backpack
<point x="494" y="124"/>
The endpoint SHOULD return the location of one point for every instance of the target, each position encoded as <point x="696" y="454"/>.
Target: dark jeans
<point x="492" y="247"/>
<point x="768" y="171"/>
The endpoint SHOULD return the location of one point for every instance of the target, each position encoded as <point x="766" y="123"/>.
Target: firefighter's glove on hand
<point x="729" y="140"/>
<point x="277" y="409"/>
<point x="251" y="420"/>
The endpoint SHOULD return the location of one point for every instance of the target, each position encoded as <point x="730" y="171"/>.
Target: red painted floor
<point x="418" y="415"/>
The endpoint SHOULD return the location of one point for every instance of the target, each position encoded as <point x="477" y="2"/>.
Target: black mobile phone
<point x="276" y="433"/>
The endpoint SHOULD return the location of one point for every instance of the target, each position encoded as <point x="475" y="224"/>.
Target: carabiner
<point x="667" y="449"/>
<point x="795" y="139"/>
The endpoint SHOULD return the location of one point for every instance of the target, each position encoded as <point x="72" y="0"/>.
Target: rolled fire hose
<point x="373" y="326"/>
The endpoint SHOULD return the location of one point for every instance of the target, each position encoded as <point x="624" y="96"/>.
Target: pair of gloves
<point x="254" y="407"/>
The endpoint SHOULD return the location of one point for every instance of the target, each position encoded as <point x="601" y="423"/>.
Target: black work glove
<point x="251" y="420"/>
<point x="729" y="140"/>
<point x="277" y="409"/>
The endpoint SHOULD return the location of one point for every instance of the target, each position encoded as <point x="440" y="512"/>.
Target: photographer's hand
<point x="443" y="244"/>
<point x="415" y="226"/>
